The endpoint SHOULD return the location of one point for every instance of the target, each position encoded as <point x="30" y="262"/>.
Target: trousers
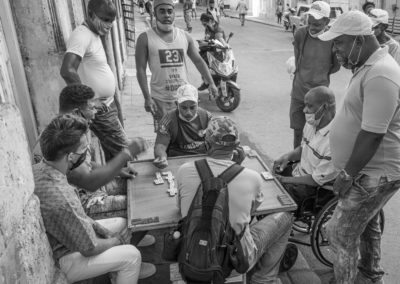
<point x="124" y="260"/>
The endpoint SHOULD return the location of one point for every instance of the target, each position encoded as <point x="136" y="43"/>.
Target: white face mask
<point x="317" y="34"/>
<point x="347" y="62"/>
<point x="184" y="119"/>
<point x="310" y="117"/>
<point x="165" y="27"/>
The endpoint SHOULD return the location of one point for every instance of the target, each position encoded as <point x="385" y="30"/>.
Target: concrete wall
<point x="25" y="254"/>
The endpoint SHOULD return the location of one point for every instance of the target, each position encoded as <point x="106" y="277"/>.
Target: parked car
<point x="300" y="19"/>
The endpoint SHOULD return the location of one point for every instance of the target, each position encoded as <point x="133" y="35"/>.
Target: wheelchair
<point x="312" y="217"/>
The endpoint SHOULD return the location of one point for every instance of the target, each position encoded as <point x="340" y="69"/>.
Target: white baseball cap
<point x="187" y="93"/>
<point x="378" y="16"/>
<point x="319" y="10"/>
<point x="350" y="23"/>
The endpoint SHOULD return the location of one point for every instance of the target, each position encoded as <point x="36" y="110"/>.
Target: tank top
<point x="167" y="62"/>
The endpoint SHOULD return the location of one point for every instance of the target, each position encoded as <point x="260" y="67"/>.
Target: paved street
<point x="261" y="52"/>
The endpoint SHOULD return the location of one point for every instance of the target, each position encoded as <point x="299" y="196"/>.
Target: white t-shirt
<point x="94" y="70"/>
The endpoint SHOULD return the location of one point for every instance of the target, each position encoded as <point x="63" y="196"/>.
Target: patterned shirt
<point x="316" y="158"/>
<point x="68" y="227"/>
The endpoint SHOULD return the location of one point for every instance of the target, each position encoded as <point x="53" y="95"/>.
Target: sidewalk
<point x="140" y="123"/>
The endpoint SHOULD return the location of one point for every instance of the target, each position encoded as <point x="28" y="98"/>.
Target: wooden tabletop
<point x="150" y="206"/>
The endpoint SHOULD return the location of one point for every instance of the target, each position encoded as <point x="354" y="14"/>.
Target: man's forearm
<point x="295" y="155"/>
<point x="160" y="150"/>
<point x="364" y="149"/>
<point x="102" y="245"/>
<point x="203" y="69"/>
<point x="102" y="175"/>
<point x="142" y="79"/>
<point x="305" y="180"/>
<point x="71" y="77"/>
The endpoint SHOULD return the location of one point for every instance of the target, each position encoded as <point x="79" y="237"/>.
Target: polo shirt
<point x="67" y="226"/>
<point x="394" y="49"/>
<point x="371" y="103"/>
<point x="316" y="157"/>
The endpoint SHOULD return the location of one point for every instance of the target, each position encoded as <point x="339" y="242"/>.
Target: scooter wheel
<point x="230" y="102"/>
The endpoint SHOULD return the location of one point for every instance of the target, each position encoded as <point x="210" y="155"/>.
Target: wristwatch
<point x="345" y="176"/>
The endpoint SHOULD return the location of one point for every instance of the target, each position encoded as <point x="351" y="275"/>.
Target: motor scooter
<point x="224" y="70"/>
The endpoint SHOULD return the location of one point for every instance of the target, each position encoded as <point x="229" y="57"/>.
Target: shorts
<point x="296" y="114"/>
<point x="162" y="109"/>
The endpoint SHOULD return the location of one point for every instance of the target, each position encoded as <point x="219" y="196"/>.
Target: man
<point x="82" y="247"/>
<point x="367" y="6"/>
<point x="166" y="48"/>
<point x="187" y="10"/>
<point x="314" y="60"/>
<point x="315" y="167"/>
<point x="182" y="130"/>
<point x="264" y="241"/>
<point x="365" y="145"/>
<point x="242" y="10"/>
<point x="85" y="62"/>
<point x="213" y="10"/>
<point x="380" y="20"/>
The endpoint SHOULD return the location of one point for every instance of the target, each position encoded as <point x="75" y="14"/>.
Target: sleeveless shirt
<point x="167" y="62"/>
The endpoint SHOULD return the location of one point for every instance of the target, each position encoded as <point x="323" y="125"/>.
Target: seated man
<point x="181" y="131"/>
<point x="82" y="247"/>
<point x="102" y="193"/>
<point x="315" y="167"/>
<point x="264" y="241"/>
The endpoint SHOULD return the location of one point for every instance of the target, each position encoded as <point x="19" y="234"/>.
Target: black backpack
<point x="210" y="249"/>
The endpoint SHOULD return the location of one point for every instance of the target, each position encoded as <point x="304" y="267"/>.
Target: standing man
<point x="279" y="12"/>
<point x="242" y="9"/>
<point x="213" y="10"/>
<point x="380" y="22"/>
<point x="187" y="10"/>
<point x="315" y="61"/>
<point x="365" y="146"/>
<point x="85" y="62"/>
<point x="166" y="48"/>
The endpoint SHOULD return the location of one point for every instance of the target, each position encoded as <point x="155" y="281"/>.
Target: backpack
<point x="210" y="248"/>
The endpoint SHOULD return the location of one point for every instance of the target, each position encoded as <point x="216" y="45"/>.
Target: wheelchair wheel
<point x="319" y="239"/>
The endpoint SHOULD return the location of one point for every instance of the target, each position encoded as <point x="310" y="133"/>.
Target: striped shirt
<point x="316" y="158"/>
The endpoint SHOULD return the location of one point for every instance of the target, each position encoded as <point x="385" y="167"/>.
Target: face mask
<point x="184" y="119"/>
<point x="102" y="27"/>
<point x="317" y="34"/>
<point x="310" y="117"/>
<point x="347" y="62"/>
<point x="79" y="161"/>
<point x="165" y="27"/>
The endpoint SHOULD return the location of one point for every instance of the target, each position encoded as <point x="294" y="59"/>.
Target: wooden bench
<point x="176" y="277"/>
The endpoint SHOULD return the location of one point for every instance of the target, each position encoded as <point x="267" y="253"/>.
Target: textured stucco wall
<point x="25" y="254"/>
<point x="41" y="56"/>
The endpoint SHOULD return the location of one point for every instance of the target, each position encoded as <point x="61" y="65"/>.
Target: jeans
<point x="107" y="127"/>
<point x="354" y="228"/>
<point x="270" y="236"/>
<point x="124" y="260"/>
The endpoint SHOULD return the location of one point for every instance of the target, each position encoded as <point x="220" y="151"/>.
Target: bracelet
<point x="126" y="151"/>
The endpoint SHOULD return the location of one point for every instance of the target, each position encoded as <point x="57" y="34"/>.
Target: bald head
<point x="321" y="95"/>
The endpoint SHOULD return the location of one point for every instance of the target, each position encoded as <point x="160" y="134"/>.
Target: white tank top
<point x="167" y="62"/>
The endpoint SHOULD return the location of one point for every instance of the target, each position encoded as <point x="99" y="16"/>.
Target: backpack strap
<point x="230" y="173"/>
<point x="204" y="170"/>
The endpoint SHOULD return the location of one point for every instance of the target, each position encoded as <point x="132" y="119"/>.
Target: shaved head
<point x="106" y="6"/>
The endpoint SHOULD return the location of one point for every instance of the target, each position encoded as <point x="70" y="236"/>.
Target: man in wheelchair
<point x="307" y="168"/>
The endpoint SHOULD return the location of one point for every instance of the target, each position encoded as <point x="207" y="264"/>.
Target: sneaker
<point x="289" y="257"/>
<point x="203" y="87"/>
<point x="147" y="270"/>
<point x="147" y="240"/>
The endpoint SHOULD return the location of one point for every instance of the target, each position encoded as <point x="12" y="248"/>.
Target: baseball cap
<point x="219" y="127"/>
<point x="319" y="10"/>
<point x="187" y="93"/>
<point x="160" y="2"/>
<point x="349" y="23"/>
<point x="378" y="16"/>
